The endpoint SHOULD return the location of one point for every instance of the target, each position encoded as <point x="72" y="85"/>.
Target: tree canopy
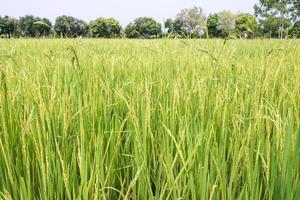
<point x="189" y="22"/>
<point x="68" y="26"/>
<point x="144" y="27"/>
<point x="193" y="20"/>
<point x="222" y="24"/>
<point x="8" y="26"/>
<point x="175" y="28"/>
<point x="295" y="30"/>
<point x="227" y="23"/>
<point x="31" y="26"/>
<point x="271" y="19"/>
<point x="246" y="25"/>
<point x="277" y="15"/>
<point x="213" y="26"/>
<point x="105" y="28"/>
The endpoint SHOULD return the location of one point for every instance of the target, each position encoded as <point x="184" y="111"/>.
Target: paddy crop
<point x="149" y="119"/>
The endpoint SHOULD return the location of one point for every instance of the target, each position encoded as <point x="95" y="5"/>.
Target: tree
<point x="193" y="20"/>
<point x="42" y="27"/>
<point x="106" y="28"/>
<point x="282" y="11"/>
<point x="25" y="26"/>
<point x="222" y="24"/>
<point x="7" y="26"/>
<point x="168" y="24"/>
<point x="132" y="32"/>
<point x="227" y="22"/>
<point x="67" y="26"/>
<point x="175" y="28"/>
<point x="246" y="25"/>
<point x="213" y="26"/>
<point x="144" y="27"/>
<point x="295" y="30"/>
<point x="31" y="26"/>
<point x="269" y="27"/>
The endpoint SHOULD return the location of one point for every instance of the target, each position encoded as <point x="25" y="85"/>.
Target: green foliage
<point x="175" y="28"/>
<point x="269" y="27"/>
<point x="246" y="25"/>
<point x="154" y="119"/>
<point x="280" y="8"/>
<point x="67" y="26"/>
<point x="7" y="26"/>
<point x="281" y="13"/>
<point x="132" y="32"/>
<point x="273" y="18"/>
<point x="227" y="23"/>
<point x="105" y="28"/>
<point x="295" y="30"/>
<point x="213" y="26"/>
<point x="193" y="21"/>
<point x="144" y="27"/>
<point x="31" y="26"/>
<point x="222" y="24"/>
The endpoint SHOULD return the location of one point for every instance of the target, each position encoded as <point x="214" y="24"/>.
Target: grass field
<point x="149" y="119"/>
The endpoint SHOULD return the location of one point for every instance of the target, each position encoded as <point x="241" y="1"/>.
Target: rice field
<point x="149" y="119"/>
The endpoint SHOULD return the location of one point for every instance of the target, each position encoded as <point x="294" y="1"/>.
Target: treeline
<point x="271" y="20"/>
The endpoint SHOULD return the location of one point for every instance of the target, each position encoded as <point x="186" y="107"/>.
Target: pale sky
<point x="123" y="10"/>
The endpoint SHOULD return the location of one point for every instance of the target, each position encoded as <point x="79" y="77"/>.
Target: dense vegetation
<point x="152" y="119"/>
<point x="272" y="19"/>
<point x="149" y="119"/>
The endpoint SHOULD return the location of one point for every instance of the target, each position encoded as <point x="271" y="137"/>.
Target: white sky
<point x="125" y="11"/>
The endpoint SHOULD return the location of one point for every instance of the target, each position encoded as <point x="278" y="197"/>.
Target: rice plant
<point x="149" y="119"/>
